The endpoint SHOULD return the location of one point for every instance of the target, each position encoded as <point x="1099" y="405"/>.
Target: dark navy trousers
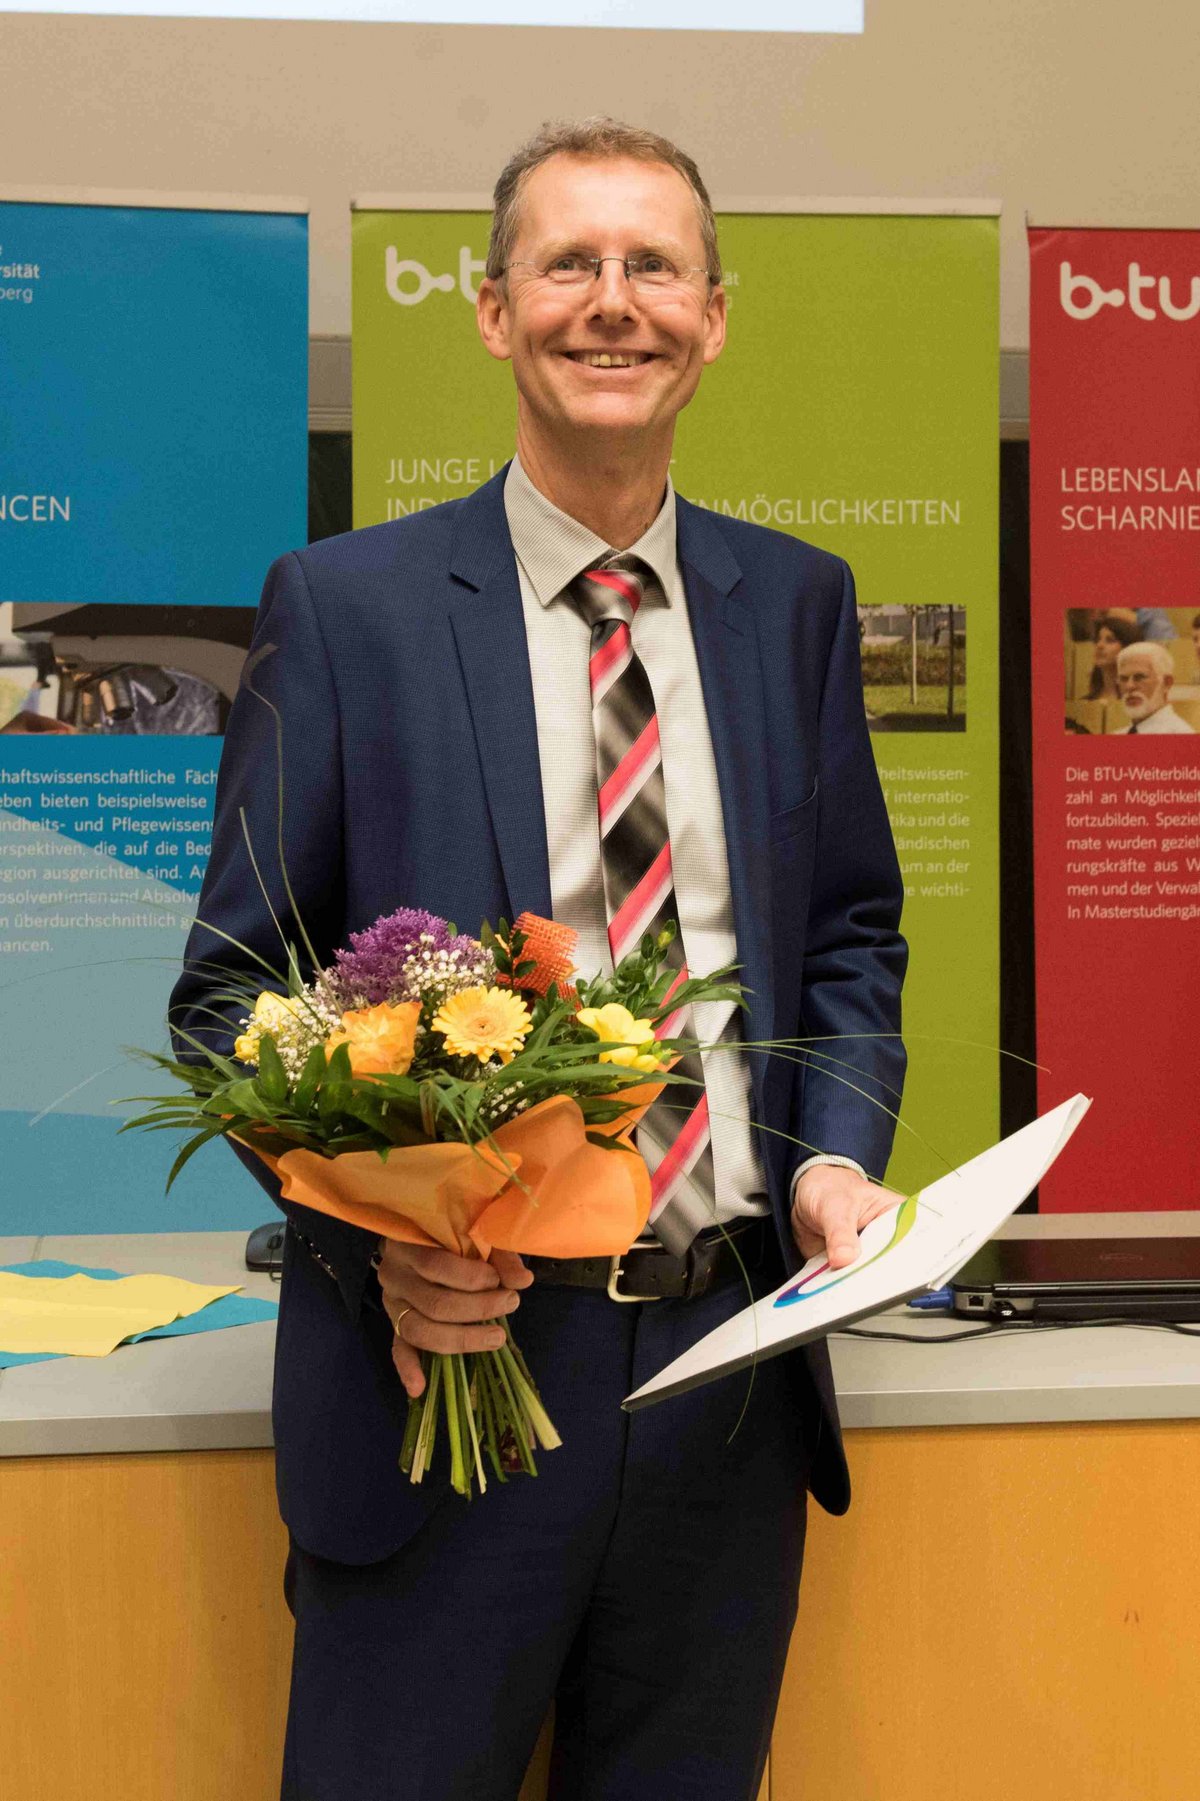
<point x="645" y="1582"/>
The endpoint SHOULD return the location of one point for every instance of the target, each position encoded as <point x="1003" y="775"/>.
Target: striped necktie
<point x="639" y="890"/>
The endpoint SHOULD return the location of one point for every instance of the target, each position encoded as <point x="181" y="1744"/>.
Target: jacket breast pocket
<point x="794" y="820"/>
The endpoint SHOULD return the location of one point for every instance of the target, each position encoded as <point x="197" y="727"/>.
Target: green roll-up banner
<point x="855" y="405"/>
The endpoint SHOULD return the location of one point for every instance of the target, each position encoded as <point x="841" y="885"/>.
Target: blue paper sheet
<point x="229" y="1310"/>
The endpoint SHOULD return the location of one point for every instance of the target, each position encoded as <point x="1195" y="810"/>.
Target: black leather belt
<point x="649" y="1272"/>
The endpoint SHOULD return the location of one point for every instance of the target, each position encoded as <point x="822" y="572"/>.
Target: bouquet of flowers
<point x="440" y="1089"/>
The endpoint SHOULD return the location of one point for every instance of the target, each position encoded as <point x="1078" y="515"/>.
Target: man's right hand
<point x="436" y="1301"/>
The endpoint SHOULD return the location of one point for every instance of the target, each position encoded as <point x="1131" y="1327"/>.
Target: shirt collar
<point x="552" y="548"/>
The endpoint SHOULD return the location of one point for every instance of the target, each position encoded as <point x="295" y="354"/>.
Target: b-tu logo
<point x="1082" y="298"/>
<point x="401" y="273"/>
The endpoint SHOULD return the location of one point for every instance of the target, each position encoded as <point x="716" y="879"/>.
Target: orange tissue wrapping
<point x="571" y="1198"/>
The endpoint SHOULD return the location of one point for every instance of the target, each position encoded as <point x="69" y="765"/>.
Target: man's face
<point x="556" y="335"/>
<point x="1142" y="689"/>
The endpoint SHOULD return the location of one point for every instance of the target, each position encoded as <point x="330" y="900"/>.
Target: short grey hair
<point x="598" y="137"/>
<point x="1158" y="655"/>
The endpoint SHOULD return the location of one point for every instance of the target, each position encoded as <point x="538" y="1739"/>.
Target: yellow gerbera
<point x="484" y="1023"/>
<point x="270" y="1012"/>
<point x="616" y="1025"/>
<point x="380" y="1039"/>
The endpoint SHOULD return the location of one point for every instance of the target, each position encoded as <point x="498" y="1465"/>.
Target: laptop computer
<point x="1082" y="1278"/>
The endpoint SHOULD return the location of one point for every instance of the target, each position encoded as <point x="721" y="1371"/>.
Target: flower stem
<point x="538" y="1421"/>
<point x="515" y="1419"/>
<point x="427" y="1435"/>
<point x="487" y="1410"/>
<point x="491" y="1404"/>
<point x="412" y="1430"/>
<point x="468" y="1414"/>
<point x="458" y="1472"/>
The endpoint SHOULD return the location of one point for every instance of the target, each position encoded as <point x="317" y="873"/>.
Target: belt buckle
<point x="615" y="1271"/>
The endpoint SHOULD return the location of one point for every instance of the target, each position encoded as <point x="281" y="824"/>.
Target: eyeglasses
<point x="648" y="272"/>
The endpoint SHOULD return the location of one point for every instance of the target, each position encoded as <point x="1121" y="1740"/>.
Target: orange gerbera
<point x="551" y="949"/>
<point x="380" y="1039"/>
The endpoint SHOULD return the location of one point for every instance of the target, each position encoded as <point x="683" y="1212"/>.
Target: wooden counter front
<point x="146" y="1646"/>
<point x="1007" y="1610"/>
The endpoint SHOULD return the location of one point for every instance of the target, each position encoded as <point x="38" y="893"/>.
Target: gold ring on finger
<point x="398" y="1318"/>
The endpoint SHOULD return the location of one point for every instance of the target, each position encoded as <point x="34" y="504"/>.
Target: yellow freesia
<point x="617" y="1026"/>
<point x="483" y="1022"/>
<point x="270" y="1012"/>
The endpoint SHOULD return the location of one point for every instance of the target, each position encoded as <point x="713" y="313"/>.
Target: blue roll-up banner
<point x="153" y="461"/>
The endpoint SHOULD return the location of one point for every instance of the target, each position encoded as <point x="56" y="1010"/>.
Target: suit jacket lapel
<point x="488" y="622"/>
<point x="727" y="652"/>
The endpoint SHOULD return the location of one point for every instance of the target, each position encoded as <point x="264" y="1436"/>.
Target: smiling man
<point x="1145" y="677"/>
<point x="572" y="692"/>
<point x="607" y="346"/>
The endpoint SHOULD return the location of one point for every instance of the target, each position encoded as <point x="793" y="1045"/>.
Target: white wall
<point x="1070" y="109"/>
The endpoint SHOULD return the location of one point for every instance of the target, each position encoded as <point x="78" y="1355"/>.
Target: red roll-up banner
<point x="1115" y="542"/>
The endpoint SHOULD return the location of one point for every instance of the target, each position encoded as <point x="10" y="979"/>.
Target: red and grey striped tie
<point x="639" y="890"/>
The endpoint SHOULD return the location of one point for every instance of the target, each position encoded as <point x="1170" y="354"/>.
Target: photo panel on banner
<point x="856" y="406"/>
<point x="1115" y="570"/>
<point x="153" y="462"/>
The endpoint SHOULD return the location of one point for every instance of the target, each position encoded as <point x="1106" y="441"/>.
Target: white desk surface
<point x="207" y="1390"/>
<point x="212" y="1390"/>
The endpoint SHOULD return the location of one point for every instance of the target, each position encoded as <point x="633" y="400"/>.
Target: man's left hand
<point x="830" y="1209"/>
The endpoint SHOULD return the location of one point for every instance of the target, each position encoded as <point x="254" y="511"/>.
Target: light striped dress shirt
<point x="551" y="549"/>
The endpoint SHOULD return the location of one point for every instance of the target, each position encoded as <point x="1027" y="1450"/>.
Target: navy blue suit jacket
<point x="411" y="778"/>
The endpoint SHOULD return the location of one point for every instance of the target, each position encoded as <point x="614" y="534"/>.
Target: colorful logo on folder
<point x="803" y="1289"/>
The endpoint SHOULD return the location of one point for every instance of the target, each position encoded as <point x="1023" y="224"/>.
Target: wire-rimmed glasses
<point x="649" y="273"/>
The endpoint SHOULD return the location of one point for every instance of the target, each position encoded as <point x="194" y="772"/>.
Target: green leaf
<point x="182" y="1118"/>
<point x="311" y="1077"/>
<point x="241" y="1096"/>
<point x="210" y="1056"/>
<point x="400" y="1090"/>
<point x="331" y="1096"/>
<point x="367" y="1104"/>
<point x="272" y="1076"/>
<point x="191" y="1147"/>
<point x="401" y="1132"/>
<point x="429" y="1109"/>
<point x="295" y="980"/>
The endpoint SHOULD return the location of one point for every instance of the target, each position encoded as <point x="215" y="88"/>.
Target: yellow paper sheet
<point x="83" y="1316"/>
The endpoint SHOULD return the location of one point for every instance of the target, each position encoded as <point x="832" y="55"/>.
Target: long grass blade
<point x="251" y="665"/>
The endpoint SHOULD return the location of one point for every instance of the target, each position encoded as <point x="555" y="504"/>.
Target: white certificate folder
<point x="911" y="1249"/>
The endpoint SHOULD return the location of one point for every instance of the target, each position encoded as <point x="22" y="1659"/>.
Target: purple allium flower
<point x="406" y="956"/>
